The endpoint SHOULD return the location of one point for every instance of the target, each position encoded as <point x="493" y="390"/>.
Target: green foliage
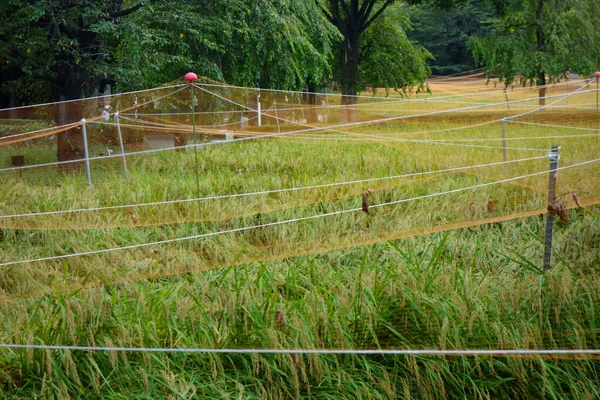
<point x="390" y="58"/>
<point x="54" y="49"/>
<point x="534" y="39"/>
<point x="374" y="49"/>
<point x="445" y="32"/>
<point x="251" y="43"/>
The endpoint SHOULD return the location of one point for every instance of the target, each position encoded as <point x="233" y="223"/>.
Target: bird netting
<point x="192" y="177"/>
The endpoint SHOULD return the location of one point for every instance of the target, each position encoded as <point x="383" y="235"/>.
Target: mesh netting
<point x="188" y="178"/>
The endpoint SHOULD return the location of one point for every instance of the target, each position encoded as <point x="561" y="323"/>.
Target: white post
<point x="503" y="140"/>
<point x="121" y="145"/>
<point x="85" y="152"/>
<point x="259" y="112"/>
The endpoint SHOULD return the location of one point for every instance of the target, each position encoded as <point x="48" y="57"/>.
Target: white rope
<point x="460" y="128"/>
<point x="475" y="71"/>
<point x="501" y="91"/>
<point x="294" y="92"/>
<point x="387" y="138"/>
<point x="361" y="123"/>
<point x="553" y="126"/>
<point x="177" y="128"/>
<point x="282" y="109"/>
<point x="311" y="129"/>
<point x="227" y="196"/>
<point x="449" y="141"/>
<point x="332" y="128"/>
<point x="405" y="352"/>
<point x="168" y="113"/>
<point x="445" y="143"/>
<point x="557" y="101"/>
<point x="527" y="138"/>
<point x="141" y="122"/>
<point x="59" y="128"/>
<point x="458" y="75"/>
<point x="402" y="99"/>
<point x="312" y="217"/>
<point x="81" y="160"/>
<point x="96" y="98"/>
<point x="510" y="102"/>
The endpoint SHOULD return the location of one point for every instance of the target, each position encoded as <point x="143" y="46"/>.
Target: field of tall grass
<point x="449" y="256"/>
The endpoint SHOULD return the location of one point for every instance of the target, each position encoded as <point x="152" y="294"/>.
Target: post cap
<point x="597" y="74"/>
<point x="191" y="77"/>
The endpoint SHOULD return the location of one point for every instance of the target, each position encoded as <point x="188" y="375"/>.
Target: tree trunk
<point x="310" y="98"/>
<point x="542" y="90"/>
<point x="69" y="145"/>
<point x="349" y="74"/>
<point x="541" y="78"/>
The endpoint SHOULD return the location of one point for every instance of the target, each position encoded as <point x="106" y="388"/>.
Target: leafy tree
<point x="386" y="46"/>
<point x="445" y="29"/>
<point x="69" y="49"/>
<point x="255" y="43"/>
<point x="536" y="41"/>
<point x="55" y="50"/>
<point x="388" y="57"/>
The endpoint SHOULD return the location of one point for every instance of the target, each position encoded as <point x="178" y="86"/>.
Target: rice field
<point x="265" y="242"/>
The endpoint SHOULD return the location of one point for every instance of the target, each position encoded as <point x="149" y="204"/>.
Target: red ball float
<point x="568" y="72"/>
<point x="191" y="77"/>
<point x="597" y="74"/>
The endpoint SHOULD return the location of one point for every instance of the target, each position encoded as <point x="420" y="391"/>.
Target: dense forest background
<point x="67" y="49"/>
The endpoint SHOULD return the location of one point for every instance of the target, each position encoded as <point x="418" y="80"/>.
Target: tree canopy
<point x="52" y="50"/>
<point x="246" y="42"/>
<point x="374" y="48"/>
<point x="66" y="49"/>
<point x="444" y="29"/>
<point x="537" y="41"/>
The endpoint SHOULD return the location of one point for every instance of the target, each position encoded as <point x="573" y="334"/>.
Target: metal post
<point x="503" y="139"/>
<point x="121" y="145"/>
<point x="195" y="141"/>
<point x="551" y="206"/>
<point x="85" y="152"/>
<point x="258" y="110"/>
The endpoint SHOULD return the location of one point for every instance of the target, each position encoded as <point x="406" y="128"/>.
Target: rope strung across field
<point x="312" y="217"/>
<point x="449" y="141"/>
<point x="259" y="135"/>
<point x="200" y="145"/>
<point x="359" y="123"/>
<point x="24" y="137"/>
<point x="398" y="352"/>
<point x="552" y="126"/>
<point x="21" y="137"/>
<point x="514" y="138"/>
<point x="179" y="85"/>
<point x="333" y="128"/>
<point x="554" y="102"/>
<point x="487" y="90"/>
<point x="292" y="189"/>
<point x="444" y="142"/>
